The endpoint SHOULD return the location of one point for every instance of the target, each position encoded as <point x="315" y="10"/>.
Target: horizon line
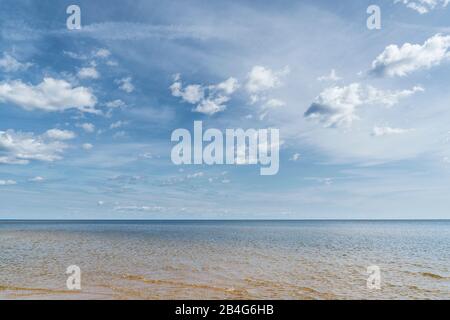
<point x="187" y="220"/>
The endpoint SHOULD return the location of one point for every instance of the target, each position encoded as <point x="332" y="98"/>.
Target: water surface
<point x="225" y="259"/>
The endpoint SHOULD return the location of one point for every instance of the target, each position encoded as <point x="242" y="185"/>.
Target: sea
<point x="199" y="259"/>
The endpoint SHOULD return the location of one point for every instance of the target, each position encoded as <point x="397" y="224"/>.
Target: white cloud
<point x="112" y="63"/>
<point x="49" y="95"/>
<point x="269" y="105"/>
<point x="87" y="146"/>
<point x="274" y="103"/>
<point x="295" y="157"/>
<point x="261" y="79"/>
<point x="211" y="106"/>
<point x="209" y="99"/>
<point x="336" y="106"/>
<point x="57" y="134"/>
<point x="195" y="175"/>
<point x="102" y="53"/>
<point x="228" y="86"/>
<point x="192" y="93"/>
<point x="400" y="61"/>
<point x="115" y="104"/>
<point x="75" y="55"/>
<point x="423" y="6"/>
<point x="20" y="148"/>
<point x="125" y="84"/>
<point x="88" y="127"/>
<point x="7" y="182"/>
<point x="117" y="124"/>
<point x="141" y="31"/>
<point x="331" y="77"/>
<point x="36" y="179"/>
<point x="389" y="98"/>
<point x="139" y="208"/>
<point x="88" y="72"/>
<point x="10" y="64"/>
<point x="384" y="131"/>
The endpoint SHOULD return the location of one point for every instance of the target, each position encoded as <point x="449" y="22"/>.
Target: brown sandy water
<point x="225" y="260"/>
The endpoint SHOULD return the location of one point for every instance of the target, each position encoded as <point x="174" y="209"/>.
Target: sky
<point x="86" y="115"/>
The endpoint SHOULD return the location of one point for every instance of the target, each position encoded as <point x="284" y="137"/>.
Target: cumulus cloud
<point x="21" y="148"/>
<point x="102" y="53"/>
<point x="88" y="72"/>
<point x="211" y="106"/>
<point x="400" y="61"/>
<point x="7" y="182"/>
<point x="115" y="104"/>
<point x="192" y="93"/>
<point x="125" y="84"/>
<point x="330" y="77"/>
<point x="10" y="64"/>
<point x="261" y="79"/>
<point x="423" y="6"/>
<point x="75" y="55"/>
<point x="57" y="134"/>
<point x="49" y="95"/>
<point x="88" y="127"/>
<point x="336" y="106"/>
<point x="117" y="124"/>
<point x="228" y="86"/>
<point x="385" y="131"/>
<point x="87" y="146"/>
<point x="208" y="99"/>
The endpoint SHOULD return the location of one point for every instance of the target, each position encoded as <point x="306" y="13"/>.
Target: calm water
<point x="219" y="260"/>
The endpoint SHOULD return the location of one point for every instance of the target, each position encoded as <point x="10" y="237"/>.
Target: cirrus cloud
<point x="337" y="106"/>
<point x="385" y="131"/>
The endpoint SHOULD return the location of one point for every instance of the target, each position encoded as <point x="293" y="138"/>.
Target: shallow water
<point x="225" y="259"/>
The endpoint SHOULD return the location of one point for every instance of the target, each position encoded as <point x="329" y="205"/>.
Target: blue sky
<point x="86" y="115"/>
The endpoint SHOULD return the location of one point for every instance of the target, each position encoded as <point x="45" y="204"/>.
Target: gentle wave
<point x="433" y="275"/>
<point x="34" y="290"/>
<point x="184" y="284"/>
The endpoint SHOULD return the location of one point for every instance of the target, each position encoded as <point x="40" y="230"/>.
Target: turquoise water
<point x="225" y="259"/>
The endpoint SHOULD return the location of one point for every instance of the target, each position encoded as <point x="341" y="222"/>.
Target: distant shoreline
<point x="215" y="220"/>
